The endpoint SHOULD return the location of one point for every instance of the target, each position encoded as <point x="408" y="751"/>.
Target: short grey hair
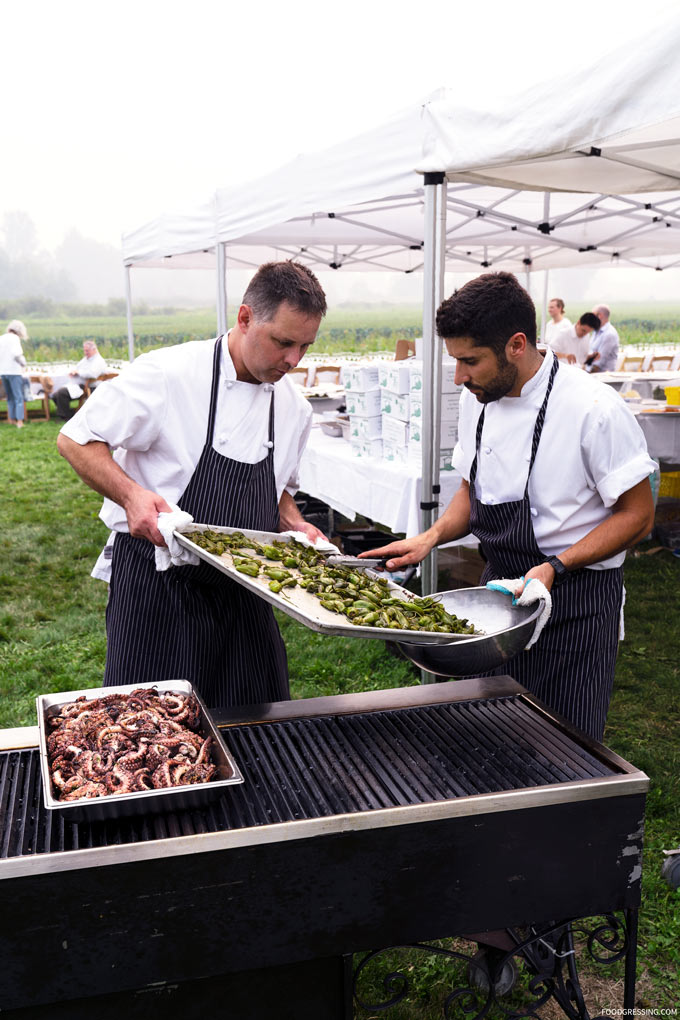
<point x="17" y="326"/>
<point x="276" y="282"/>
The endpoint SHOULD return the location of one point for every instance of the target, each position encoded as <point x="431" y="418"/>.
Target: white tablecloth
<point x="662" y="432"/>
<point x="386" y="492"/>
<point x="644" y="382"/>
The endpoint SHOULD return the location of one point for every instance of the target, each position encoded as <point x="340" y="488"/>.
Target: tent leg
<point x="128" y="310"/>
<point x="544" y="310"/>
<point x="433" y="286"/>
<point x="221" y="288"/>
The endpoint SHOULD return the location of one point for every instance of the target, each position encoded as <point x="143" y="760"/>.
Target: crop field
<point x="348" y="328"/>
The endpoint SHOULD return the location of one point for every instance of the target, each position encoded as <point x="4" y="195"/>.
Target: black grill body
<point x="364" y="820"/>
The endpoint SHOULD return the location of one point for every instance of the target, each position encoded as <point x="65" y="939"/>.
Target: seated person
<point x="572" y="344"/>
<point x="90" y="367"/>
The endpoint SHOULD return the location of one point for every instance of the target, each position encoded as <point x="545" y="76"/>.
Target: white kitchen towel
<point x="534" y="591"/>
<point x="321" y="544"/>
<point x="175" y="555"/>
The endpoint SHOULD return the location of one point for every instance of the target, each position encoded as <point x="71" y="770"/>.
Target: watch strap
<point x="561" y="572"/>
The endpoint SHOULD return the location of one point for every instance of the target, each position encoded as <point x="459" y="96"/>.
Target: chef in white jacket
<point x="555" y="486"/>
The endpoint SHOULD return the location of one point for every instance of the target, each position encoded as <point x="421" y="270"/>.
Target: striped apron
<point x="192" y="622"/>
<point x="571" y="666"/>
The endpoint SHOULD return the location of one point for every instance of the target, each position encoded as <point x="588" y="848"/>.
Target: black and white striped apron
<point x="192" y="622"/>
<point x="571" y="666"/>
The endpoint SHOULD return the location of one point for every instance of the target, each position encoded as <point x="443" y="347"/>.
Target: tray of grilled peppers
<point x="326" y="596"/>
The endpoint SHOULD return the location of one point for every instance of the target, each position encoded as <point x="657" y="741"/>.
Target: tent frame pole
<point x="128" y="314"/>
<point x="433" y="286"/>
<point x="221" y="253"/>
<point x="544" y="310"/>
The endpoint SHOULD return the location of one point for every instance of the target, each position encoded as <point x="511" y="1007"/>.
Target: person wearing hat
<point x="12" y="361"/>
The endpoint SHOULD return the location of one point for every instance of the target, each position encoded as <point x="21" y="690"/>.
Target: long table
<point x="662" y="432"/>
<point x="643" y="383"/>
<point x="386" y="492"/>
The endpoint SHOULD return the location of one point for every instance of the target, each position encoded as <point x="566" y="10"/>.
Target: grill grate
<point x="315" y="767"/>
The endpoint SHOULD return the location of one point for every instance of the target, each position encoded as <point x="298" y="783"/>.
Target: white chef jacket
<point x="553" y="329"/>
<point x="592" y="450"/>
<point x="154" y="416"/>
<point x="10" y="352"/>
<point x="567" y="341"/>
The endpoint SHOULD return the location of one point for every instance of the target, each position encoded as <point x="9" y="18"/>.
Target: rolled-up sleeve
<point x="615" y="454"/>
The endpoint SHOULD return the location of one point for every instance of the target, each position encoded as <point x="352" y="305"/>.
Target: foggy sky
<point x="119" y="112"/>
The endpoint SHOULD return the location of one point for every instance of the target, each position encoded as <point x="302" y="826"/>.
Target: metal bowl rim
<point x="478" y="638"/>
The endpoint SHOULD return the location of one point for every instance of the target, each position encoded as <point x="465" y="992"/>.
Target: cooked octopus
<point x="122" y="743"/>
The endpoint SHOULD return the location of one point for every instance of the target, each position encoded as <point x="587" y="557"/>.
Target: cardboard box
<point x="396" y="404"/>
<point x="362" y="376"/>
<point x="367" y="448"/>
<point x="448" y="376"/>
<point x="365" y="428"/>
<point x="394" y="376"/>
<point x="450" y="405"/>
<point x="448" y="435"/>
<point x="398" y="454"/>
<point x="394" y="431"/>
<point x="415" y="455"/>
<point x="366" y="403"/>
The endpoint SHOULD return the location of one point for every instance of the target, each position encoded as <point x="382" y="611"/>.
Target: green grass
<point x="52" y="638"/>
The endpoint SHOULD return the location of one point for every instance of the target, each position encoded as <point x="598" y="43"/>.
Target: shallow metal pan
<point x="301" y="605"/>
<point x="143" y="801"/>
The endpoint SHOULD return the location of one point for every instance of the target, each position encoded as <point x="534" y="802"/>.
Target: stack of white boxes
<point x="362" y="398"/>
<point x="449" y="413"/>
<point x="395" y="382"/>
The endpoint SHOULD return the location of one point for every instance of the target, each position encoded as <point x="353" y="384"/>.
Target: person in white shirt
<point x="555" y="486"/>
<point x="90" y="367"/>
<point x="558" y="321"/>
<point x="604" y="346"/>
<point x="12" y="361"/>
<point x="572" y="344"/>
<point x="214" y="427"/>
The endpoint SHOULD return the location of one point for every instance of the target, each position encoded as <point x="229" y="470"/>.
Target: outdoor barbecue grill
<point x="363" y="821"/>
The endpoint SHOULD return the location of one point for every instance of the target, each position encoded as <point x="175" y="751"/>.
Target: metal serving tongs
<point x="340" y="560"/>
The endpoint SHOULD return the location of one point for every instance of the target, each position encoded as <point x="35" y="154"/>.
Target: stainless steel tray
<point x="301" y="605"/>
<point x="140" y="802"/>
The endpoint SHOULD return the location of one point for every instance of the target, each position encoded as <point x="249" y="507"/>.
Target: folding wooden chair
<point x="327" y="374"/>
<point x="87" y="386"/>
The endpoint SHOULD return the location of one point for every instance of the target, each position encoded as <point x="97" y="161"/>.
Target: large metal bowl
<point x="506" y="631"/>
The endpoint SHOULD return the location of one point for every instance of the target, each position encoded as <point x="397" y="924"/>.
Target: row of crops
<point x="346" y="329"/>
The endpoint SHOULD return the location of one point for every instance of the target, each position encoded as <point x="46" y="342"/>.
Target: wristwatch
<point x="561" y="572"/>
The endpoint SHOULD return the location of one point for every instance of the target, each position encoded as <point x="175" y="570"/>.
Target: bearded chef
<point x="215" y="428"/>
<point x="555" y="487"/>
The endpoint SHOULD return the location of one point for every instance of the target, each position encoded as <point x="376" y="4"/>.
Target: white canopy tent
<point x="583" y="171"/>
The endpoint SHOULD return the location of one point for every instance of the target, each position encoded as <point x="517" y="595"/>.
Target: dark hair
<point x="590" y="319"/>
<point x="275" y="282"/>
<point x="488" y="311"/>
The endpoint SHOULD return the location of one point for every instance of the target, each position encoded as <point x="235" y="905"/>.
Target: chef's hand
<point x="142" y="509"/>
<point x="402" y="553"/>
<point x="310" y="531"/>
<point x="543" y="573"/>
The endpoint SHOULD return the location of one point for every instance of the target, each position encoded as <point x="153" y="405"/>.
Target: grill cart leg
<point x="631" y="959"/>
<point x="549" y="953"/>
